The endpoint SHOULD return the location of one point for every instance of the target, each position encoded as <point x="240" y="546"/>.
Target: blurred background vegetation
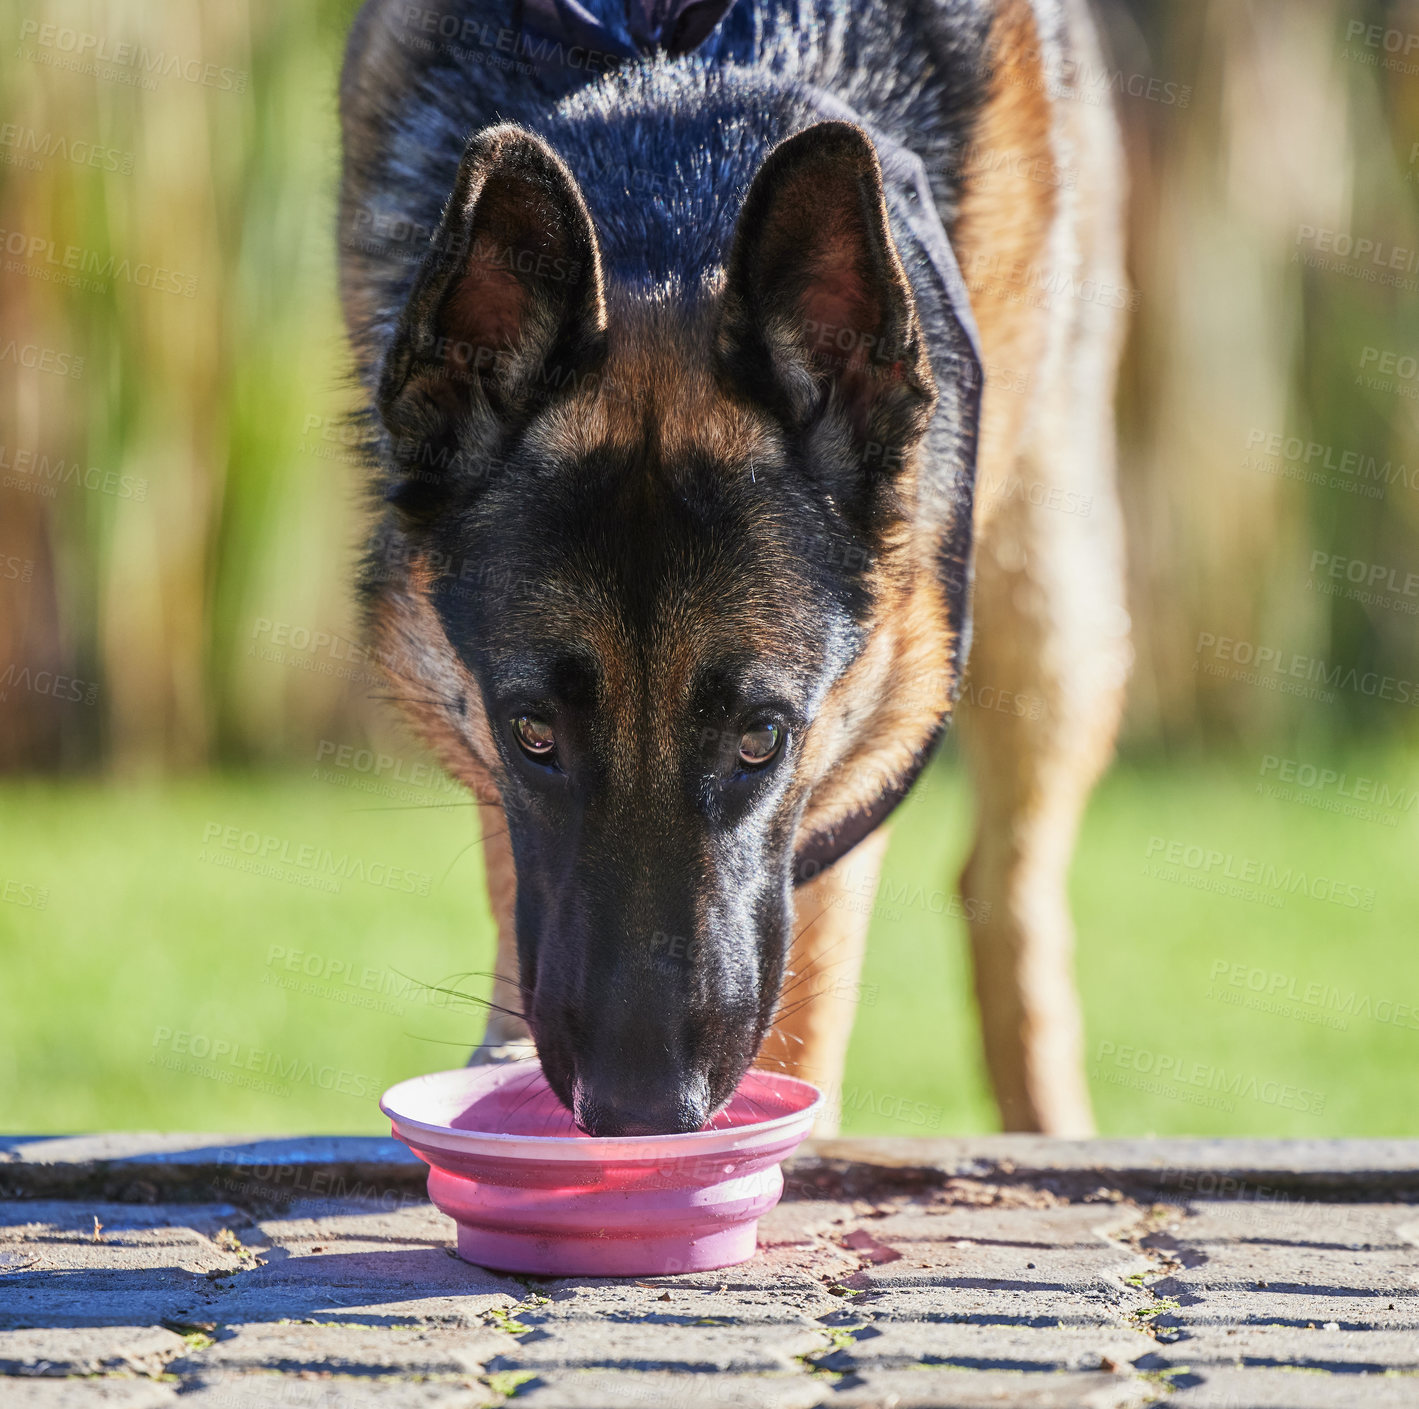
<point x="180" y="511"/>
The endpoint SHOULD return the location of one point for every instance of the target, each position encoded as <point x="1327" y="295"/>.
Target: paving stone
<point x="358" y="1281"/>
<point x="26" y="1220"/>
<point x="904" y="1343"/>
<point x="1194" y="1164"/>
<point x="143" y="1266"/>
<point x="276" y="1391"/>
<point x="962" y="1262"/>
<point x="1298" y="1222"/>
<point x="66" y="1237"/>
<point x="1239" y="1307"/>
<point x="809" y="1270"/>
<point x="1293" y="1345"/>
<point x="623" y="1345"/>
<point x="78" y="1299"/>
<point x="348" y="1350"/>
<point x="676" y="1304"/>
<point x="962" y="1292"/>
<point x="113" y="1393"/>
<point x="1062" y="1226"/>
<point x="949" y="1263"/>
<point x="1295" y="1389"/>
<point x="1250" y="1283"/>
<point x="412" y="1222"/>
<point x="1282" y="1266"/>
<point x="987" y="1389"/>
<point x="802" y="1221"/>
<point x="609" y="1389"/>
<point x="88" y="1350"/>
<point x="993" y="1305"/>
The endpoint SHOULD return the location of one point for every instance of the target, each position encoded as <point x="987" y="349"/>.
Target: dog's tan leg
<point x="1031" y="791"/>
<point x="506" y="1037"/>
<point x="1040" y="714"/>
<point x="1051" y="634"/>
<point x="819" y="999"/>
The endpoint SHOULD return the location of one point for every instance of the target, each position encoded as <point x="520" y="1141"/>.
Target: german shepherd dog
<point x="727" y="362"/>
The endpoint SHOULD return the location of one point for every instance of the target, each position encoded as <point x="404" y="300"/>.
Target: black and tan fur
<point x="630" y="465"/>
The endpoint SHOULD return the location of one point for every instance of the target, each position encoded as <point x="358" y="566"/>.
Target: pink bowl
<point x="532" y="1193"/>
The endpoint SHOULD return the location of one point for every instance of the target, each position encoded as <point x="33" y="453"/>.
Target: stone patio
<point x="227" y="1272"/>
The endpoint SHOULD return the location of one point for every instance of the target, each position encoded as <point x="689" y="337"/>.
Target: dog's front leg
<point x="820" y="987"/>
<point x="506" y="1037"/>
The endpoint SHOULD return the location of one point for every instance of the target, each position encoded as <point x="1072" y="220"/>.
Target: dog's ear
<point x="818" y="313"/>
<point x="508" y="308"/>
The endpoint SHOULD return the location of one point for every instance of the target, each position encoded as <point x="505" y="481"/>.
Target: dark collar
<point x="826" y="848"/>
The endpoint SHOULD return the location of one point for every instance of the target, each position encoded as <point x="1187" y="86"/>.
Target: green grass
<point x="147" y="955"/>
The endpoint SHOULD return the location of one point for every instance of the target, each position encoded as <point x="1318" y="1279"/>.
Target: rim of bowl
<point x="577" y="1147"/>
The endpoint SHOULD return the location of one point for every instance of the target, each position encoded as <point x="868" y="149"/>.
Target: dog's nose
<point x="638" y="1113"/>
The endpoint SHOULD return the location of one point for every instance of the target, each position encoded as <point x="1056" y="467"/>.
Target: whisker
<point x="757" y="1107"/>
<point x="420" y="806"/>
<point x="791" y="1009"/>
<point x="447" y="701"/>
<point x="531" y="1089"/>
<point x="786" y="1036"/>
<point x="465" y="850"/>
<point x="471" y="973"/>
<point x="805" y="929"/>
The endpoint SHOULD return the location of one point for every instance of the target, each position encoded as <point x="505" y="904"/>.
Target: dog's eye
<point x="534" y="737"/>
<point x="759" y="745"/>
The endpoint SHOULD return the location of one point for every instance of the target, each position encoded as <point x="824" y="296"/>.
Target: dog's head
<point x="663" y="590"/>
